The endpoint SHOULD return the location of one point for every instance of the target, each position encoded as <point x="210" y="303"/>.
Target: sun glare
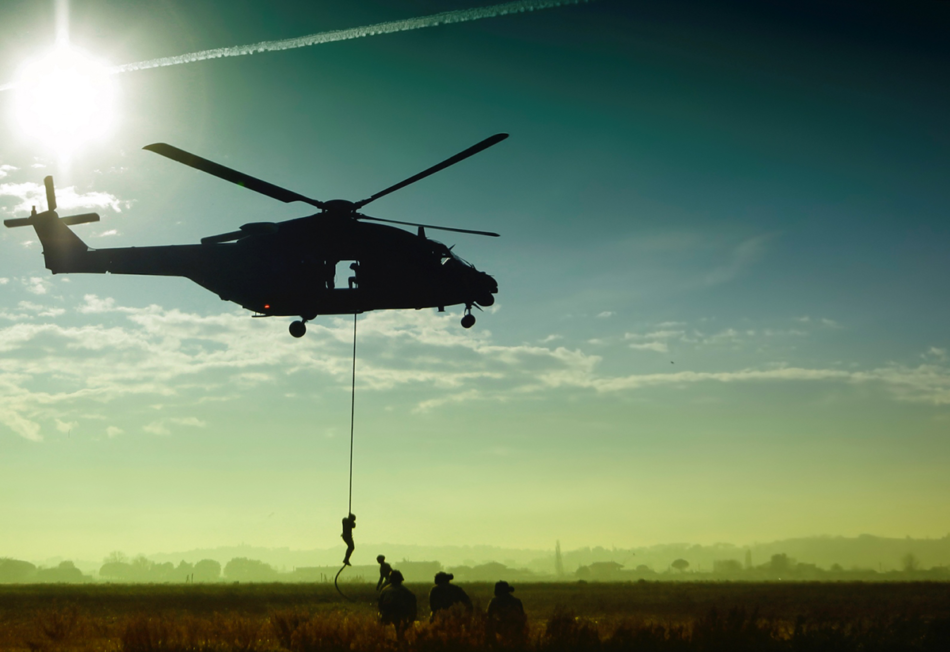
<point x="65" y="99"/>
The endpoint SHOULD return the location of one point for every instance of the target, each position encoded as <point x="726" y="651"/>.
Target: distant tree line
<point x="14" y="571"/>
<point x="779" y="567"/>
<point x="120" y="569"/>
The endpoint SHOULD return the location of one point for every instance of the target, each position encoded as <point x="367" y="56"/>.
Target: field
<point x="561" y="617"/>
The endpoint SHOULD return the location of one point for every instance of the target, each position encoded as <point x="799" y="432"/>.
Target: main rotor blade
<point x="226" y="173"/>
<point x="461" y="156"/>
<point x="360" y="216"/>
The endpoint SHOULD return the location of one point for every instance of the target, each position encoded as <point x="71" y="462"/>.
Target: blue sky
<point x="723" y="275"/>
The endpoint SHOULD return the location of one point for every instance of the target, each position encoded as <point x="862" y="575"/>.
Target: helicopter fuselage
<point x="290" y="269"/>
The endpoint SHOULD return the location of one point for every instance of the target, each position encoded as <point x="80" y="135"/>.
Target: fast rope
<point x="345" y="596"/>
<point x="349" y="508"/>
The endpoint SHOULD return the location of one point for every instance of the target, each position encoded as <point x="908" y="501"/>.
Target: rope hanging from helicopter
<point x="349" y="509"/>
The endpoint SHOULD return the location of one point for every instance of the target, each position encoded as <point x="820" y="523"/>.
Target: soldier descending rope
<point x="349" y="522"/>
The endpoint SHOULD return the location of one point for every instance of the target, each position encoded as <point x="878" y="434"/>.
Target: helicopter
<point x="289" y="268"/>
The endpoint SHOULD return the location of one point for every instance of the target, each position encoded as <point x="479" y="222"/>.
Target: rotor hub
<point x="343" y="206"/>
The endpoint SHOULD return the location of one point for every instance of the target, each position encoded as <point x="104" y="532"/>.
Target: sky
<point x="723" y="278"/>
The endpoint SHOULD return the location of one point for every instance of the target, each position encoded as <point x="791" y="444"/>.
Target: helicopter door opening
<point x="350" y="270"/>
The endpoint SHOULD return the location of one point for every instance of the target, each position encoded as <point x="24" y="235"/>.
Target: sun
<point x="65" y="99"/>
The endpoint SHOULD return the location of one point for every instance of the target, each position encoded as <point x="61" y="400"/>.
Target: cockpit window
<point x="446" y="255"/>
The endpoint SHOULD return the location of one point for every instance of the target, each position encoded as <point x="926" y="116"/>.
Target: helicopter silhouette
<point x="288" y="268"/>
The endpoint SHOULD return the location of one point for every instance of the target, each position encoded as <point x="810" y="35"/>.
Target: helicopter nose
<point x="487" y="287"/>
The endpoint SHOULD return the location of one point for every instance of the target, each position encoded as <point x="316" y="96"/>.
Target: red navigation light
<point x="266" y="306"/>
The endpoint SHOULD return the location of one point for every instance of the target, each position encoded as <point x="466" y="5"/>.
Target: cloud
<point x="113" y="431"/>
<point x="605" y="314"/>
<point x="654" y="335"/>
<point x="41" y="311"/>
<point x="743" y="256"/>
<point x="32" y="194"/>
<point x="36" y="285"/>
<point x="460" y="397"/>
<point x="178" y="360"/>
<point x="934" y="352"/>
<point x="5" y="170"/>
<point x="161" y="427"/>
<point x="923" y="384"/>
<point x="659" y="347"/>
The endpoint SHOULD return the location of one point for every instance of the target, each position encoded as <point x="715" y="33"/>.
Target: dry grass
<point x="562" y="618"/>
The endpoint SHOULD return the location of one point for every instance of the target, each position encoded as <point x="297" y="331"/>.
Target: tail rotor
<point x="50" y="194"/>
<point x="69" y="220"/>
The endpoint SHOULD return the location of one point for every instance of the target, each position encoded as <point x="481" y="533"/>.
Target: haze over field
<point x="723" y="275"/>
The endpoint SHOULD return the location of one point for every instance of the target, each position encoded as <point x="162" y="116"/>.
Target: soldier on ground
<point x="385" y="570"/>
<point x="349" y="522"/>
<point x="397" y="604"/>
<point x="506" y="619"/>
<point x="444" y="595"/>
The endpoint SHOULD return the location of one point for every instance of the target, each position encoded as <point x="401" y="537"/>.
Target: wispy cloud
<point x="163" y="426"/>
<point x="742" y="256"/>
<point x="31" y="194"/>
<point x="659" y="347"/>
<point x="935" y="353"/>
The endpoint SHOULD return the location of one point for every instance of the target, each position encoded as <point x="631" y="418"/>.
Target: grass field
<point x="562" y="617"/>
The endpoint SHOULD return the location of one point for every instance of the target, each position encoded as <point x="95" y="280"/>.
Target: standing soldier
<point x="385" y="570"/>
<point x="349" y="522"/>
<point x="397" y="605"/>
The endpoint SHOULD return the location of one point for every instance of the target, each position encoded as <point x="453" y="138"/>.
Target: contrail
<point x="433" y="20"/>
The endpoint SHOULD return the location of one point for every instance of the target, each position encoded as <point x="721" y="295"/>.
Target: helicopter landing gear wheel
<point x="469" y="319"/>
<point x="298" y="328"/>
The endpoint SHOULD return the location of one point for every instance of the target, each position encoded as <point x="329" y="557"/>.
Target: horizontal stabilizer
<point x="68" y="221"/>
<point x="80" y="219"/>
